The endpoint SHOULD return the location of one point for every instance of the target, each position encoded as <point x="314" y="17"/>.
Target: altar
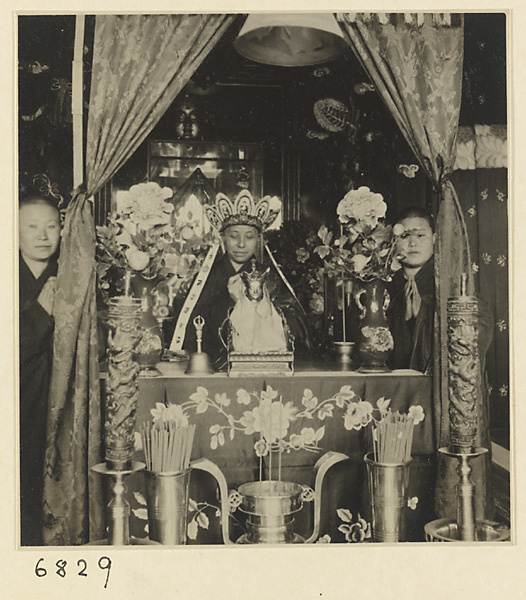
<point x="199" y="131"/>
<point x="345" y="485"/>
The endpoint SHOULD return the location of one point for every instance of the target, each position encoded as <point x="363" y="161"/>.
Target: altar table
<point x="345" y="484"/>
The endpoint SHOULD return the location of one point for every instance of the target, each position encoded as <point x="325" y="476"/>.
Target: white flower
<point x="359" y="261"/>
<point x="502" y="325"/>
<point x="501" y="260"/>
<point x="398" y="229"/>
<point x="417" y="414"/>
<point x="486" y="258"/>
<point x="472" y="211"/>
<point x="137" y="260"/>
<point x="358" y="415"/>
<point x="383" y="404"/>
<point x="412" y="502"/>
<point x="243" y="397"/>
<point x="503" y="390"/>
<point x="475" y="268"/>
<point x="362" y="206"/>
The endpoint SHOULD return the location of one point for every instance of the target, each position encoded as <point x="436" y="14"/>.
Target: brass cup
<point x="270" y="506"/>
<point x="167" y="500"/>
<point x="344" y="351"/>
<point x="387" y="487"/>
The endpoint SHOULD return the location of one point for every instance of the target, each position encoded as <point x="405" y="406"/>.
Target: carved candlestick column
<point x="121" y="406"/>
<point x="464" y="381"/>
<point x="121" y="386"/>
<point x="465" y="390"/>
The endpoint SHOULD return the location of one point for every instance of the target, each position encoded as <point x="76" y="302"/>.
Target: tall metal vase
<point x="388" y="484"/>
<point x="375" y="342"/>
<point x="167" y="500"/>
<point x="151" y="346"/>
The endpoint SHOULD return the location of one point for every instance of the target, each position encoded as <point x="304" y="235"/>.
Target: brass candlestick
<point x="118" y="508"/>
<point x="464" y="386"/>
<point x="121" y="406"/>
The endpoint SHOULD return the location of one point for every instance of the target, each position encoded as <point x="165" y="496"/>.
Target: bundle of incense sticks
<point x="393" y="438"/>
<point x="167" y="449"/>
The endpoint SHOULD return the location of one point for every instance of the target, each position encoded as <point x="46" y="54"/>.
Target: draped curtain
<point x="415" y="62"/>
<point x="480" y="178"/>
<point x="140" y="64"/>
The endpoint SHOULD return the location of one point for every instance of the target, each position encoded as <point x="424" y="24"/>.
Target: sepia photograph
<point x="263" y="279"/>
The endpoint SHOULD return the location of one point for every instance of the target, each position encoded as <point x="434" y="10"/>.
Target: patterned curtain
<point x="140" y="64"/>
<point x="415" y="62"/>
<point x="480" y="178"/>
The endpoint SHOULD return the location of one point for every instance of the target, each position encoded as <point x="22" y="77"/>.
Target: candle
<point x="463" y="284"/>
<point x="343" y="309"/>
<point x="127" y="282"/>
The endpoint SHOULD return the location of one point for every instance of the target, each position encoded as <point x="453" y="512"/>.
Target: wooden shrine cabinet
<point x="171" y="163"/>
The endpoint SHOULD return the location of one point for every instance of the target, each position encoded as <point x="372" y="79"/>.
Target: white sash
<point x="192" y="298"/>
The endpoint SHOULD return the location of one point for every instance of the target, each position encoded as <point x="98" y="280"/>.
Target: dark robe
<point x="413" y="339"/>
<point x="36" y="353"/>
<point x="215" y="303"/>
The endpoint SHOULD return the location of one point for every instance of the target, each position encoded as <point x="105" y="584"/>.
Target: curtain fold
<point x="140" y="64"/>
<point x="415" y="61"/>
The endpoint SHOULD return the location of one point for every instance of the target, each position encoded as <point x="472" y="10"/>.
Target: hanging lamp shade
<point x="290" y="40"/>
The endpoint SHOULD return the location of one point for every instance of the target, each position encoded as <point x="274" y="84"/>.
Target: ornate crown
<point x="254" y="275"/>
<point x="244" y="210"/>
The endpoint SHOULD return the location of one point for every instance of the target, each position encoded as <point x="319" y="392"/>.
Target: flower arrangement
<point x="293" y="247"/>
<point x="366" y="248"/>
<point x="144" y="238"/>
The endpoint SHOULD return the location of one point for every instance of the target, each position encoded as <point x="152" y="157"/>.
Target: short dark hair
<point x="415" y="212"/>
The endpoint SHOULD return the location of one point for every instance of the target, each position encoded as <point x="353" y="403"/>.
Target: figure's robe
<point x="413" y="338"/>
<point x="36" y="353"/>
<point x="215" y="303"/>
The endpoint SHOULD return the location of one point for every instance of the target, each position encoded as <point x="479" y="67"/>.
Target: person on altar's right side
<point x="412" y="291"/>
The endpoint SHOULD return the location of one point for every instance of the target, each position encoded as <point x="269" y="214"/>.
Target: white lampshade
<point x="290" y="40"/>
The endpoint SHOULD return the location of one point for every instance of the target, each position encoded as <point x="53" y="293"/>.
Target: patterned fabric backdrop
<point x="481" y="182"/>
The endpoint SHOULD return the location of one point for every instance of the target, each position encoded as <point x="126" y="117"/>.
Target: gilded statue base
<point x="241" y="364"/>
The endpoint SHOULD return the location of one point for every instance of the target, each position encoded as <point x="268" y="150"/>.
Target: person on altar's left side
<point x="224" y="287"/>
<point x="39" y="236"/>
<point x="412" y="291"/>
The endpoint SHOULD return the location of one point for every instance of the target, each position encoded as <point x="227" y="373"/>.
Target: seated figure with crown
<point x="243" y="287"/>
